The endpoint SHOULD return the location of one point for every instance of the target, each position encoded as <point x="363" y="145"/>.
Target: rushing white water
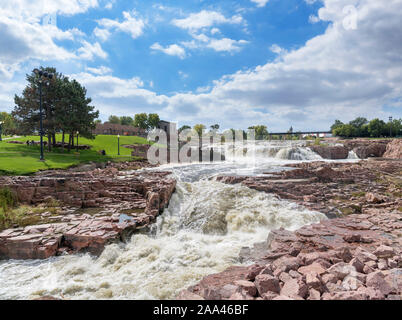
<point x="201" y="232"/>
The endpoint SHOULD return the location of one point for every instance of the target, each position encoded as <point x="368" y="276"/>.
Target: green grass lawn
<point x="16" y="159"/>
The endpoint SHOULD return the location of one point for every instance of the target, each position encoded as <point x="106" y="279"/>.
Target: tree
<point x="199" y="128"/>
<point x="141" y="121"/>
<point x="98" y="121"/>
<point x="153" y="120"/>
<point x="377" y="128"/>
<point x="65" y="107"/>
<point x="360" y="126"/>
<point x="345" y="130"/>
<point x="9" y="126"/>
<point x="114" y="119"/>
<point x="261" y="132"/>
<point x="336" y="125"/>
<point x="126" y="121"/>
<point x="184" y="127"/>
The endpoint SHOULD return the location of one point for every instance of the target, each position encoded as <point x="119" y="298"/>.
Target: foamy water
<point x="200" y="233"/>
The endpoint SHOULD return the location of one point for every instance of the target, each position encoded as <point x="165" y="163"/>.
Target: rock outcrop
<point x="331" y="152"/>
<point x="366" y="148"/>
<point x="335" y="189"/>
<point x="121" y="203"/>
<point x="358" y="257"/>
<point x="394" y="150"/>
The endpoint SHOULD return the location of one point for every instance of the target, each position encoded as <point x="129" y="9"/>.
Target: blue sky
<point x="239" y="63"/>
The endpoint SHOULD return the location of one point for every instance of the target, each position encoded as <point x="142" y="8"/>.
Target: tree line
<point x="140" y="120"/>
<point x="361" y="127"/>
<point x="66" y="109"/>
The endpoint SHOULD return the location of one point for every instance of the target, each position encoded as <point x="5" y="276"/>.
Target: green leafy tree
<point x="199" y="128"/>
<point x="10" y="125"/>
<point x="114" y="119"/>
<point x="336" y="125"/>
<point x="65" y="107"/>
<point x="153" y="120"/>
<point x="345" y="130"/>
<point x="377" y="128"/>
<point x="141" y="121"/>
<point x="184" y="127"/>
<point x="126" y="121"/>
<point x="261" y="132"/>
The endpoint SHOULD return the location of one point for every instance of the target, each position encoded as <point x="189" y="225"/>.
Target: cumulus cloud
<point x="24" y="37"/>
<point x="203" y="19"/>
<point x="262" y="3"/>
<point x="172" y="50"/>
<point x="197" y="23"/>
<point x="89" y="51"/>
<point x="131" y="25"/>
<point x="341" y="73"/>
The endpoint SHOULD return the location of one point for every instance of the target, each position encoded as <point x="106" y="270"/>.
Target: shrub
<point x="8" y="199"/>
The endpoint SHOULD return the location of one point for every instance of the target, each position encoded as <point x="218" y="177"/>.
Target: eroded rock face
<point x="331" y="152"/>
<point x="126" y="202"/>
<point x="394" y="150"/>
<point x="366" y="148"/>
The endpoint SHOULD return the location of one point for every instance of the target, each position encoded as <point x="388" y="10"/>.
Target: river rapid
<point x="200" y="233"/>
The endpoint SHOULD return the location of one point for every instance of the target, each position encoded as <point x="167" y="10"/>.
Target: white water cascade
<point x="200" y="233"/>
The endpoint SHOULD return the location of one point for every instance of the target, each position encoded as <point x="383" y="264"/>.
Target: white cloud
<point x="102" y="34"/>
<point x="31" y="11"/>
<point x="203" y="19"/>
<point x="130" y="24"/>
<point x="339" y="74"/>
<point x="262" y="3"/>
<point x="89" y="51"/>
<point x="102" y="70"/>
<point x="198" y="23"/>
<point x="172" y="50"/>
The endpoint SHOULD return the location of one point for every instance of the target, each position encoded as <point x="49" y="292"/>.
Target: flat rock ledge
<point x="355" y="256"/>
<point x="100" y="207"/>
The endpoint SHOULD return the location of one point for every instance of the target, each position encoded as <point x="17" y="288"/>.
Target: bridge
<point x="299" y="132"/>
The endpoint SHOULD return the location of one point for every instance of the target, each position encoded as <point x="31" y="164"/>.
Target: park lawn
<point x="17" y="159"/>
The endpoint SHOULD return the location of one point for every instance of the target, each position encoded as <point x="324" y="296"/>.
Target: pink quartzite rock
<point x="265" y="283"/>
<point x="141" y="196"/>
<point x="376" y="280"/>
<point x="294" y="288"/>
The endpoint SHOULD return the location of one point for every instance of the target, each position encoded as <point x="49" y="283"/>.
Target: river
<point x="200" y="233"/>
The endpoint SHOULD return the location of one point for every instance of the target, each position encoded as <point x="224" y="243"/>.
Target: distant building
<point x="166" y="125"/>
<point x="108" y="128"/>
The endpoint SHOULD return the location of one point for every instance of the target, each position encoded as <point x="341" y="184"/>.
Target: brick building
<point x="115" y="129"/>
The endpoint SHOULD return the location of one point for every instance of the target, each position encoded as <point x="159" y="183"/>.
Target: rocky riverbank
<point x="362" y="148"/>
<point x="97" y="207"/>
<point x="356" y="256"/>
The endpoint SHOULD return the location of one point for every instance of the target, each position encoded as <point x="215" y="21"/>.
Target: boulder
<point x="376" y="280"/>
<point x="266" y="283"/>
<point x="384" y="252"/>
<point x="294" y="288"/>
<point x="331" y="152"/>
<point x="341" y="270"/>
<point x="394" y="150"/>
<point x="246" y="287"/>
